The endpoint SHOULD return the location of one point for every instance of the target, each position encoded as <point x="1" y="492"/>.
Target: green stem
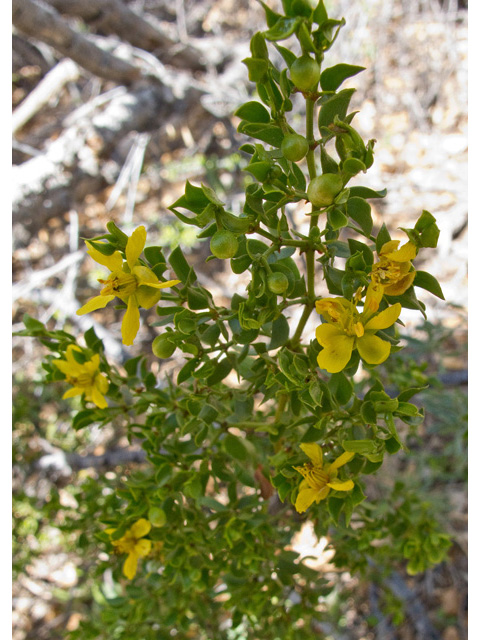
<point x="310" y="252"/>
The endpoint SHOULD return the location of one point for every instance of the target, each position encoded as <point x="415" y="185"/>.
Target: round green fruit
<point x="305" y="73"/>
<point x="294" y="147"/>
<point x="277" y="283"/>
<point x="157" y="516"/>
<point x="322" y="190"/>
<point x="162" y="347"/>
<point x="224" y="244"/>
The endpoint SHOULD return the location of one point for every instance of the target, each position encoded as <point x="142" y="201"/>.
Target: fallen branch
<point x="42" y="22"/>
<point x="50" y="86"/>
<point x="115" y="18"/>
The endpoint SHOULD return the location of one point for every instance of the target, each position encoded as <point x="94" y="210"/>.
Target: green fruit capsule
<point x="224" y="244"/>
<point x="157" y="516"/>
<point x="162" y="347"/>
<point x="305" y="73"/>
<point x="322" y="190"/>
<point x="277" y="283"/>
<point x="294" y="147"/>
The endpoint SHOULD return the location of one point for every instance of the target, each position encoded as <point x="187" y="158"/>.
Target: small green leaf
<point x="336" y="218"/>
<point x="180" y="265"/>
<point x="222" y="370"/>
<point x="257" y="69"/>
<point x="382" y="237"/>
<point x="280" y="332"/>
<point x="429" y="283"/>
<point x="366" y="192"/>
<point x="337" y="105"/>
<point x="359" y="446"/>
<point x="84" y="418"/>
<point x="187" y="370"/>
<point x="235" y="447"/>
<point x="282" y="29"/>
<point x="359" y="210"/>
<point x="253" y="112"/>
<point x="332" y="78"/>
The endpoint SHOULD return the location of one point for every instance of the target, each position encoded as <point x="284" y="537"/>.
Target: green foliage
<point x="226" y="436"/>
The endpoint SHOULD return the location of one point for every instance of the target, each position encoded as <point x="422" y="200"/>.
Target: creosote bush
<point x="261" y="428"/>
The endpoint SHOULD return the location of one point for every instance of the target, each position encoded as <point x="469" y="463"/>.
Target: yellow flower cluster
<point x="346" y="329"/>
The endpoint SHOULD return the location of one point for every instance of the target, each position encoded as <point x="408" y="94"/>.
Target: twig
<point x="65" y="71"/>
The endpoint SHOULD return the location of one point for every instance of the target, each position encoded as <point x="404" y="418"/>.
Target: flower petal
<point x="99" y="302"/>
<point x="341" y="486"/>
<point x="404" y="254"/>
<point x="397" y="288"/>
<point x="373" y="349"/>
<point x="113" y="262"/>
<point x="143" y="547"/>
<point x="66" y="367"/>
<point x="71" y="393"/>
<point x="326" y="332"/>
<point x="384" y="319"/>
<point x="313" y="451"/>
<point x="340" y="461"/>
<point x="305" y="498"/>
<point x="336" y="354"/>
<point x="97" y="398"/>
<point x="135" y="245"/>
<point x="141" y="528"/>
<point x="322" y="494"/>
<point x="130" y="566"/>
<point x="131" y="322"/>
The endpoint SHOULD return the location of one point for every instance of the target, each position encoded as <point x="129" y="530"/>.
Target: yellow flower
<point x="392" y="274"/>
<point x="346" y="329"/>
<point x="85" y="378"/>
<point x="133" y="283"/>
<point x="133" y="543"/>
<point x="319" y="479"/>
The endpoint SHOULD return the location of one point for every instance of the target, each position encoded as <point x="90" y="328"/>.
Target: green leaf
<point x="280" y="332"/>
<point x="355" y="245"/>
<point x="267" y="133"/>
<point x="211" y="503"/>
<point x="282" y="29"/>
<point x="154" y="255"/>
<point x="222" y="370"/>
<point x="337" y="105"/>
<point x="336" y="218"/>
<point x="196" y="298"/>
<point x="286" y="54"/>
<point x="180" y="265"/>
<point x="260" y="170"/>
<point x="359" y="446"/>
<point x="429" y="283"/>
<point x="366" y="192"/>
<point x="320" y="13"/>
<point x="359" y="210"/>
<point x="85" y="418"/>
<point x="382" y="237"/>
<point x="270" y="16"/>
<point x="187" y="370"/>
<point x="332" y="78"/>
<point x="258" y="46"/>
<point x="253" y="112"/>
<point x="257" y="69"/>
<point x="235" y="447"/>
<point x="335" y="506"/>
<point x="32" y="324"/>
